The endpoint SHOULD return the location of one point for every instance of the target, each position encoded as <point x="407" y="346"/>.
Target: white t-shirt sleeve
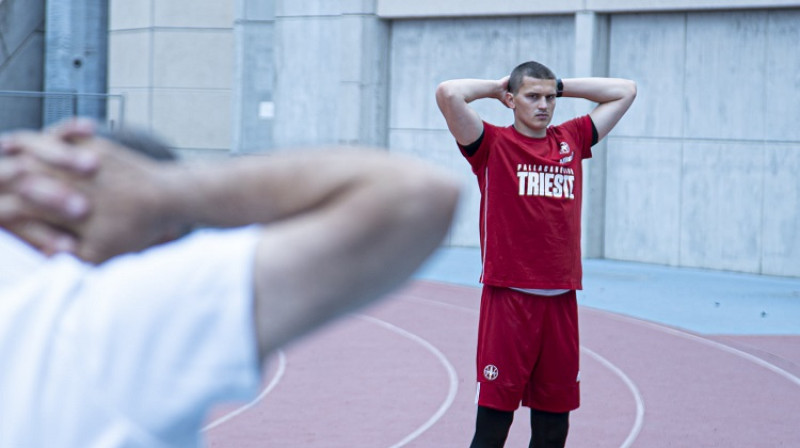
<point x="169" y="332"/>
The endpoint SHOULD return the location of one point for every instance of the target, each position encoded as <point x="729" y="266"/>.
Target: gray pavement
<point x="698" y="300"/>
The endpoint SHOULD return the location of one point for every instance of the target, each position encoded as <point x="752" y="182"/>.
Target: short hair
<point x="531" y="69"/>
<point x="143" y="142"/>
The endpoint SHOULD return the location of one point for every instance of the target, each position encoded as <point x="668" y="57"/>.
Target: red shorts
<point x="528" y="351"/>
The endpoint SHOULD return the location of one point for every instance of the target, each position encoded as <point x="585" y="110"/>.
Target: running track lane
<point x="363" y="383"/>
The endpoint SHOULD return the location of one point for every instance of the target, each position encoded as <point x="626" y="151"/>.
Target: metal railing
<point x="33" y="110"/>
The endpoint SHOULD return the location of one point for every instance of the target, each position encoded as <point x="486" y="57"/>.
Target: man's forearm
<point x="613" y="95"/>
<point x="263" y="189"/>
<point x="468" y="90"/>
<point x="453" y="98"/>
<point x="599" y="90"/>
<point x="369" y="235"/>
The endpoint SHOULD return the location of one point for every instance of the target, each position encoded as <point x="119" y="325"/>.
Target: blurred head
<point x="532" y="96"/>
<point x="143" y="142"/>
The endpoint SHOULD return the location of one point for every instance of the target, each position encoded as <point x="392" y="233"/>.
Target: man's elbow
<point x="436" y="194"/>
<point x="448" y="192"/>
<point x="442" y="91"/>
<point x="445" y="95"/>
<point x="630" y="89"/>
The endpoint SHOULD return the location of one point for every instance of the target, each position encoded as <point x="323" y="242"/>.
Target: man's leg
<point x="548" y="429"/>
<point x="491" y="428"/>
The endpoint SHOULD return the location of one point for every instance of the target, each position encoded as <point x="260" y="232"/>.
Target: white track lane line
<point x="637" y="397"/>
<point x="718" y="345"/>
<point x="236" y="412"/>
<point x="451" y="373"/>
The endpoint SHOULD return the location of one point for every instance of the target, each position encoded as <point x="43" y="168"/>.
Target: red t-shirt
<point x="530" y="223"/>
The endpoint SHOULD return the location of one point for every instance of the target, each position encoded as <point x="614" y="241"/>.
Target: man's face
<point x="533" y="105"/>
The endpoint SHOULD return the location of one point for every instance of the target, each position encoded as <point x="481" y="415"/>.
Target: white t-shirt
<point x="131" y="353"/>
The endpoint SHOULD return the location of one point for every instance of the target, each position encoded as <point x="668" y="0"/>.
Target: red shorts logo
<point x="490" y="372"/>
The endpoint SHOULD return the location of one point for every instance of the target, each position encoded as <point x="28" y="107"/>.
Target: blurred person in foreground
<point x="127" y="336"/>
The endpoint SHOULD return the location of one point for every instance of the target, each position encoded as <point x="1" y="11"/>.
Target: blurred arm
<point x="342" y="226"/>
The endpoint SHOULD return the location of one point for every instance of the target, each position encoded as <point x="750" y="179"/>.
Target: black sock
<point x="548" y="429"/>
<point x="491" y="428"/>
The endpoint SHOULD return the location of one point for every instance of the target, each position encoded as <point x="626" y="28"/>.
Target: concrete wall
<point x="174" y="62"/>
<point x="699" y="173"/>
<point x="405" y="9"/>
<point x="76" y="56"/>
<point x="21" y="61"/>
<point x="331" y="65"/>
<point x="254" y="76"/>
<point x="427" y="52"/>
<point x="245" y="76"/>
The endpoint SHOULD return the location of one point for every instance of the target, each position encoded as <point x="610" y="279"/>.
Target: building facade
<point x="701" y="172"/>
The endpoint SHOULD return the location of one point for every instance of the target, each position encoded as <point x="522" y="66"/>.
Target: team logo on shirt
<point x="565" y="149"/>
<point x="490" y="372"/>
<point x="546" y="180"/>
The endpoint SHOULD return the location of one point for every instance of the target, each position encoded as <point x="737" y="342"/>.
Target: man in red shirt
<point x="530" y="179"/>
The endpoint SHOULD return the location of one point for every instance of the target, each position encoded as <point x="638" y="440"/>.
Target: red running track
<point x="402" y="374"/>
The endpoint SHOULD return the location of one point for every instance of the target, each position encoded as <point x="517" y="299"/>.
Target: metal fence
<point x="33" y="110"/>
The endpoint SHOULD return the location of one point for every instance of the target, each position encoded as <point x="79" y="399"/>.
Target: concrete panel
<point x="23" y="71"/>
<point x="310" y="8"/>
<point x="783" y="76"/>
<point x="193" y="118"/>
<point x="307" y="8"/>
<point x="129" y="14"/>
<point x="115" y="110"/>
<point x="643" y="200"/>
<point x="263" y="10"/>
<point x="439" y="148"/>
<point x="193" y="59"/>
<point x="457" y="8"/>
<point x="352" y="37"/>
<point x="781" y="225"/>
<point x="193" y="13"/>
<point x="20" y="113"/>
<point x="358" y="6"/>
<point x="722" y="200"/>
<point x="450" y="8"/>
<point x="425" y="53"/>
<point x="349" y="114"/>
<point x="724" y="88"/>
<point x="137" y="105"/>
<point x="666" y="5"/>
<point x="364" y="75"/>
<point x="18" y="20"/>
<point x="307" y="88"/>
<point x="254" y="85"/>
<point x="650" y="50"/>
<point x="550" y="41"/>
<point x="375" y="103"/>
<point x="129" y="58"/>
